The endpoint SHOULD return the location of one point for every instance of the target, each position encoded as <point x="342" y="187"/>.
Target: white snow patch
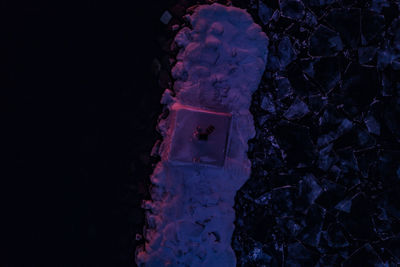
<point x="220" y="64"/>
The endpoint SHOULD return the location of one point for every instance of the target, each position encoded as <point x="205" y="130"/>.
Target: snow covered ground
<point x="220" y="64"/>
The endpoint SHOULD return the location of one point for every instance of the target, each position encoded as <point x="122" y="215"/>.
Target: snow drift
<point x="220" y="64"/>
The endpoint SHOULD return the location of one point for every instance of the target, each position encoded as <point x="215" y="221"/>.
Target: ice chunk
<point x="309" y="189"/>
<point x="325" y="160"/>
<point x="347" y="23"/>
<point x="298" y="255"/>
<point x="366" y="54"/>
<point x="364" y="256"/>
<point x="320" y="2"/>
<point x="166" y="17"/>
<point x="297" y="110"/>
<point x="357" y="218"/>
<point x="325" y="42"/>
<point x="285" y="52"/>
<point x="372" y="25"/>
<point x="327" y="72"/>
<point x="283" y="87"/>
<point x="335" y="237"/>
<point x="377" y="5"/>
<point x="295" y="140"/>
<point x="311" y="233"/>
<point x="293" y="9"/>
<point x="264" y="12"/>
<point x="267" y="103"/>
<point x="372" y="125"/>
<point x="332" y="194"/>
<point x="344" y="205"/>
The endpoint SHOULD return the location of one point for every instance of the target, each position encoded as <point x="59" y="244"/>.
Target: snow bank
<point x="220" y="64"/>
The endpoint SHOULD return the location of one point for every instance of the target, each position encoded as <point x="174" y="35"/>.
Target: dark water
<point x="79" y="105"/>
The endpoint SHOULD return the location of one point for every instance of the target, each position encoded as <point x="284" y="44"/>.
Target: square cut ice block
<point x="186" y="145"/>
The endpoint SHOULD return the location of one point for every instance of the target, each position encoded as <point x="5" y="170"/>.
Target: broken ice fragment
<point x="377" y="5"/>
<point x="372" y="125"/>
<point x="347" y="160"/>
<point x="298" y="255"/>
<point x="372" y="25"/>
<point x="325" y="42"/>
<point x="358" y="222"/>
<point x="296" y="142"/>
<point x="293" y="9"/>
<point x="310" y="19"/>
<point x="264" y="12"/>
<point x="309" y="190"/>
<point x="360" y="85"/>
<point x="331" y="194"/>
<point x="364" y="256"/>
<point x="325" y="160"/>
<point x="347" y="23"/>
<point x="335" y="237"/>
<point x="285" y="52"/>
<point x="345" y="126"/>
<point x="366" y="54"/>
<point x="297" y="110"/>
<point x="311" y="233"/>
<point x="327" y="72"/>
<point x="344" y="205"/>
<point x="166" y="17"/>
<point x="316" y="102"/>
<point x="315" y="3"/>
<point x="283" y="87"/>
<point x="267" y="103"/>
